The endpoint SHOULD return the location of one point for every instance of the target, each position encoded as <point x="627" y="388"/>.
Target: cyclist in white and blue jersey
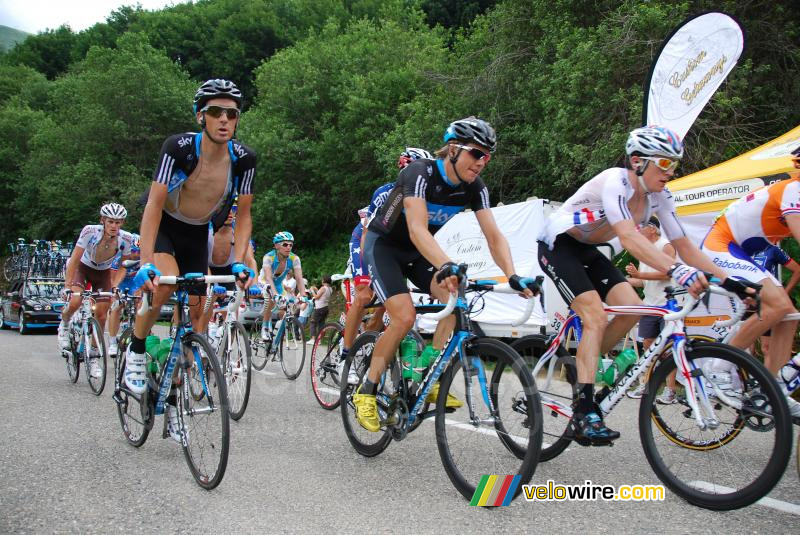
<point x="123" y="279"/>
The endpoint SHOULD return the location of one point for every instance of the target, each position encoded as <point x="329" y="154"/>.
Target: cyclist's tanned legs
<point x="402" y="314"/>
<point x="353" y="319"/>
<point x="167" y="265"/>
<point x="775" y="304"/>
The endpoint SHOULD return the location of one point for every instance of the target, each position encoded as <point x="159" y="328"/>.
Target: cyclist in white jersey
<point x="614" y="204"/>
<point x="94" y="252"/>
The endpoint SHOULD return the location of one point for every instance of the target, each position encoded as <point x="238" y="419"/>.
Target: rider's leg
<point x="445" y="326"/>
<point x="594" y="321"/>
<point x="375" y="323"/>
<point x="363" y="296"/>
<point x="73" y="305"/>
<point x="402" y="316"/>
<point x="775" y="305"/>
<point x="114" y="316"/>
<point x="621" y="294"/>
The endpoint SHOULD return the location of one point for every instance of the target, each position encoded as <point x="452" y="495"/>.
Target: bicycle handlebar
<point x="171" y="280"/>
<point x="501" y="288"/>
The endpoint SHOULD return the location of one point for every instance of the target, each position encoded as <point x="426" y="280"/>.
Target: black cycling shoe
<point x="590" y="430"/>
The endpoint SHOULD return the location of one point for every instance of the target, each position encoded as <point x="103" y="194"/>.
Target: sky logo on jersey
<point x="439" y="214"/>
<point x="494" y="491"/>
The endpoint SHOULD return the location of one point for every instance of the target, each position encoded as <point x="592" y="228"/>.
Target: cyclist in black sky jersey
<point x="400" y="244"/>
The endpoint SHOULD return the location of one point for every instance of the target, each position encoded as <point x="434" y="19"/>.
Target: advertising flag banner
<point x="691" y="65"/>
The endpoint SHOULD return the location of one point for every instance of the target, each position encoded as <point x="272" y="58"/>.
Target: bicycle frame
<point x="673" y="331"/>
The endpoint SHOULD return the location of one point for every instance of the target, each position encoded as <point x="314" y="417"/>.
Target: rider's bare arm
<point x="641" y="248"/>
<point x="417" y="221"/>
<point x="298" y="275"/>
<point x="498" y="244"/>
<point x="151" y="219"/>
<point x="794" y="267"/>
<point x="693" y="256"/>
<point x="244" y="227"/>
<point x="72" y="263"/>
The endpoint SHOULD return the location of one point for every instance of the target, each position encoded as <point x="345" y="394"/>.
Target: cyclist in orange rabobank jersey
<point x="742" y="230"/>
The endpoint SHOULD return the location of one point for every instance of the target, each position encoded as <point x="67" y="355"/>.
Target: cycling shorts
<point x="188" y="244"/>
<point x="735" y="261"/>
<point x="223" y="270"/>
<point x="100" y="279"/>
<point x="650" y="326"/>
<point x="389" y="264"/>
<point x="577" y="267"/>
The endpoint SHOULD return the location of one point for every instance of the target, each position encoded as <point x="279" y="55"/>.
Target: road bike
<point x="688" y="444"/>
<point x="232" y="345"/>
<point x="285" y="342"/>
<point x="199" y="392"/>
<point x="87" y="342"/>
<point x="498" y="431"/>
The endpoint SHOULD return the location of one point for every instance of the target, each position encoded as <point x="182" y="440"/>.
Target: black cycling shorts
<point x="577" y="267"/>
<point x="389" y="265"/>
<point x="223" y="270"/>
<point x="188" y="244"/>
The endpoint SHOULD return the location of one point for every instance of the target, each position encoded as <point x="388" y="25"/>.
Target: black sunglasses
<point x="217" y="111"/>
<point x="476" y="153"/>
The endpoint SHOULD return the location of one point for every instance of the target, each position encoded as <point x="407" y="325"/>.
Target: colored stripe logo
<point x="494" y="491"/>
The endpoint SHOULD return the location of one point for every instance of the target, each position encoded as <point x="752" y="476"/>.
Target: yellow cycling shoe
<point x="366" y="411"/>
<point x="452" y="401"/>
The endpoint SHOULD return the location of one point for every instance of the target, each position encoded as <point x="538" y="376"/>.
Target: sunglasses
<point x="287" y="244"/>
<point x="478" y="154"/>
<point x="665" y="164"/>
<point x="217" y="111"/>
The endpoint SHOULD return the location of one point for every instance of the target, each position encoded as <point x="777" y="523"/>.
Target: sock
<point x="369" y="388"/>
<point x="345" y="351"/>
<point x="137" y="344"/>
<point x="585" y="398"/>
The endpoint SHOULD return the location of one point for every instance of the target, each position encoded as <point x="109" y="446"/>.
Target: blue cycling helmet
<point x="654" y="141"/>
<point x="283" y="235"/>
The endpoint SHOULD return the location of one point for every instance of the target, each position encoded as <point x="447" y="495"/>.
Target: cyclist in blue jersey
<point x="361" y="281"/>
<point x="196" y="180"/>
<point x="274" y="267"/>
<point x="121" y="278"/>
<point x="400" y="244"/>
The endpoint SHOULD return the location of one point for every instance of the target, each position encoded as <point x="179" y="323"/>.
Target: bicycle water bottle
<point x="619" y="366"/>
<point x="790" y="374"/>
<point x="421" y="363"/>
<point x="408" y="352"/>
<point x="162" y="352"/>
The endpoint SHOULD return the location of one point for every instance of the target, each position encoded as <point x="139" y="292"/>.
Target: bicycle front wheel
<point x="740" y="454"/>
<point x="236" y="366"/>
<point x="258" y="347"/>
<point x="293" y="348"/>
<point x="325" y="357"/>
<point x="95" y="357"/>
<point x="73" y="364"/>
<point x="135" y="411"/>
<point x="205" y="421"/>
<point x="498" y="431"/>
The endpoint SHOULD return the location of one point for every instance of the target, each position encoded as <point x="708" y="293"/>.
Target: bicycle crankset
<point x="397" y="418"/>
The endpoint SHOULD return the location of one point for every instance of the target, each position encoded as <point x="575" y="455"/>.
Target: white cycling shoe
<point x="174" y="427"/>
<point x="135" y="372"/>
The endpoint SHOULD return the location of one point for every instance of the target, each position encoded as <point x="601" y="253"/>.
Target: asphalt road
<point x="67" y="468"/>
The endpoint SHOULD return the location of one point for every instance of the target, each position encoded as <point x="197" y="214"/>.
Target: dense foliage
<point x="335" y="89"/>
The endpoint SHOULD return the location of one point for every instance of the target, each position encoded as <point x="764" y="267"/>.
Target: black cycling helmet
<point x="216" y="88"/>
<point x="472" y="130"/>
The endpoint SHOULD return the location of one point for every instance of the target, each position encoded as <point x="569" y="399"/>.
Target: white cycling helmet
<point x="114" y="211"/>
<point x="654" y="141"/>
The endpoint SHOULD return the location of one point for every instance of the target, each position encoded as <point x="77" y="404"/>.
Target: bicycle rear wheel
<point x="205" y="421"/>
<point x="293" y="348"/>
<point x="557" y="390"/>
<point x="500" y="435"/>
<point x="325" y="357"/>
<point x="258" y="347"/>
<point x="236" y="366"/>
<point x="743" y="455"/>
<point x="365" y="442"/>
<point x="96" y="363"/>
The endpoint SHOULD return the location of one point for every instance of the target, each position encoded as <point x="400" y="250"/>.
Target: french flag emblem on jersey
<point x="586" y="216"/>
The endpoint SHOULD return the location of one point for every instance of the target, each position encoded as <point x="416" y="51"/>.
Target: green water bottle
<point x="624" y="360"/>
<point x="163" y="351"/>
<point x="151" y="346"/>
<point x="408" y="352"/>
<point x="421" y="363"/>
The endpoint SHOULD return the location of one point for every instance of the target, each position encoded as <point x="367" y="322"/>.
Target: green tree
<point x="111" y="113"/>
<point x="49" y="52"/>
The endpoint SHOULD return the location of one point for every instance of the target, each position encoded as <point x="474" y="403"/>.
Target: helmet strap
<point x="453" y="160"/>
<point x="639" y="172"/>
